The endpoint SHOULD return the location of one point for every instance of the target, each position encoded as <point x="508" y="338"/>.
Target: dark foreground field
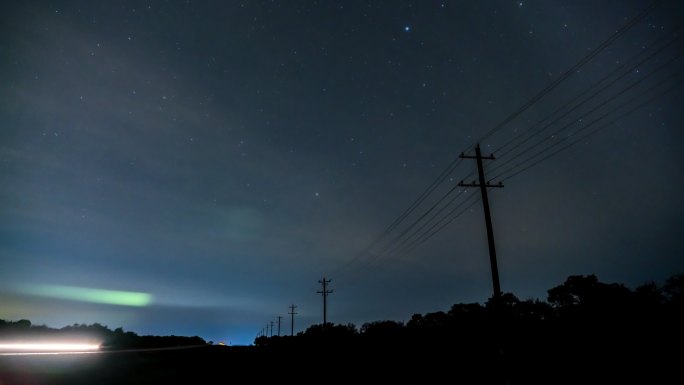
<point x="126" y="367"/>
<point x="166" y="366"/>
<point x="230" y="365"/>
<point x="193" y="365"/>
<point x="246" y="365"/>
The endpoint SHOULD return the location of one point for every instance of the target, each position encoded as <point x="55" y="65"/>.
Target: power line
<point x="428" y="221"/>
<point x="674" y="87"/>
<point x="421" y="198"/>
<point x="594" y="109"/>
<point x="620" y="93"/>
<point x="392" y="248"/>
<point x="531" y="132"/>
<point x="569" y="72"/>
<point x="429" y="234"/>
<point x="426" y="236"/>
<point x="397" y="249"/>
<point x="392" y="244"/>
<point x="447" y="171"/>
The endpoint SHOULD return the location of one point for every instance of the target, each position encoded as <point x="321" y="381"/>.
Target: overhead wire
<point x="373" y="257"/>
<point x="531" y="131"/>
<point x="673" y="87"/>
<point x="440" y="224"/>
<point x="572" y="70"/>
<point x="392" y="248"/>
<point x="596" y="108"/>
<point x="427" y="235"/>
<point x="433" y="186"/>
<point x="450" y="168"/>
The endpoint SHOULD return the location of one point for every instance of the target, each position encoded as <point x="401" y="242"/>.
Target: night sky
<point x="223" y="157"/>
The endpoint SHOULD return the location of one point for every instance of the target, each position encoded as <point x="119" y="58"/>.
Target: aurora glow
<point x="83" y="294"/>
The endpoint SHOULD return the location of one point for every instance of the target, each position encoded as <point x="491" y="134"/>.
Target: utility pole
<point x="292" y="313"/>
<point x="279" y="318"/>
<point x="325" y="293"/>
<point x="483" y="185"/>
<point x="271" y="333"/>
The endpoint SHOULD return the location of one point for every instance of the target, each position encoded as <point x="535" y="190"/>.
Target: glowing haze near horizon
<point x="221" y="157"/>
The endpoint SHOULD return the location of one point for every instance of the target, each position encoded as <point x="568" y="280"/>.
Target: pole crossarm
<point x="473" y="184"/>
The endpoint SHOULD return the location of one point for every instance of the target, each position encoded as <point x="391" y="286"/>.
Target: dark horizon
<point x="585" y="297"/>
<point x="196" y="168"/>
<point x="586" y="330"/>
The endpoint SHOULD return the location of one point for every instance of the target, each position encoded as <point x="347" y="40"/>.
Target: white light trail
<point x="47" y="347"/>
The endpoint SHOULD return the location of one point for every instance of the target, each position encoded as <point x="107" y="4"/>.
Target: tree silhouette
<point x="581" y="296"/>
<point x="674" y="290"/>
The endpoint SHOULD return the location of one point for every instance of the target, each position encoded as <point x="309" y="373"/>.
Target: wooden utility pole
<point x="271" y="333"/>
<point x="292" y="314"/>
<point x="279" y="318"/>
<point x="325" y="293"/>
<point x="484" y="185"/>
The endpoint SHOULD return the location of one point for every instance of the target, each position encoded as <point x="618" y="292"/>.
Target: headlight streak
<point x="37" y="348"/>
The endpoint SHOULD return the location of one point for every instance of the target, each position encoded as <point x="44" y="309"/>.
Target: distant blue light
<point x="407" y="28"/>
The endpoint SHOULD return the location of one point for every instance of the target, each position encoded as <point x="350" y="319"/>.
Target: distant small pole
<point x="279" y="318"/>
<point x="325" y="293"/>
<point x="292" y="313"/>
<point x="271" y="329"/>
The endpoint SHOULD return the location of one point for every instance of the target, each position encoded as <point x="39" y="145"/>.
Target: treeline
<point x="579" y="299"/>
<point x="585" y="326"/>
<point x="110" y="339"/>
